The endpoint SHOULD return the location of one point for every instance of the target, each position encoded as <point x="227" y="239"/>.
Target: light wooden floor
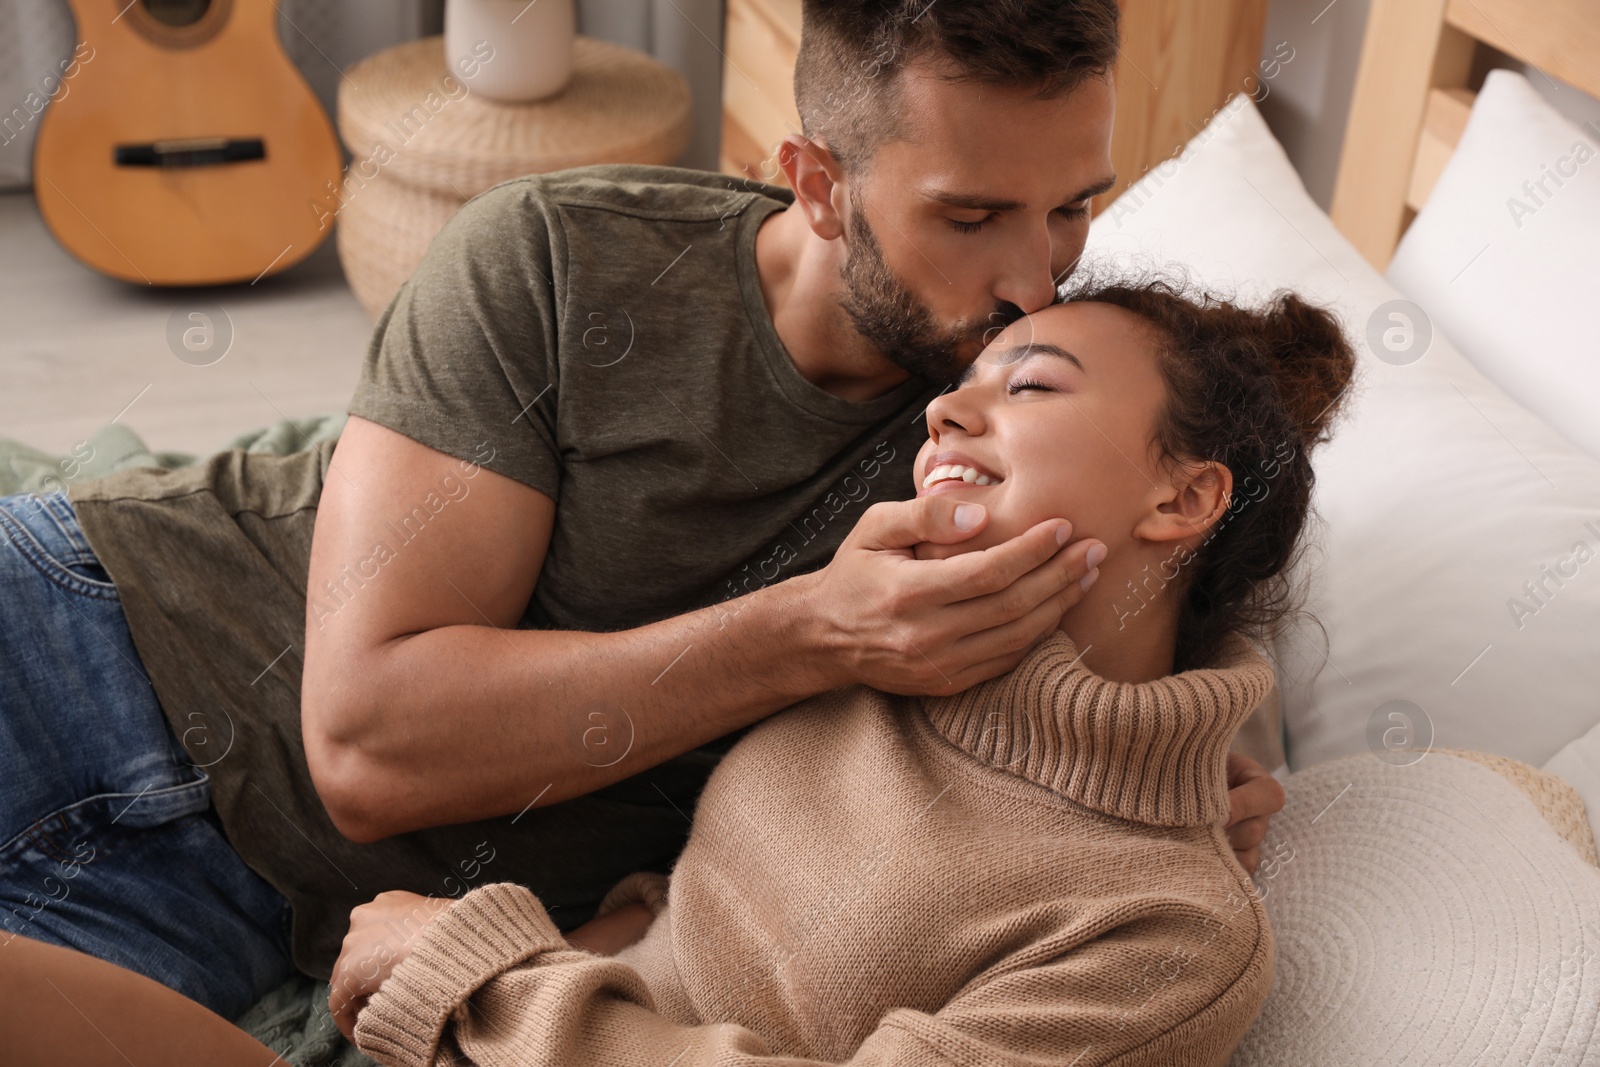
<point x="77" y="348"/>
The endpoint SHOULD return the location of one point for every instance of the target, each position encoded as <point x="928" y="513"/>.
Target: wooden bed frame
<point x="1180" y="61"/>
<point x="1413" y="96"/>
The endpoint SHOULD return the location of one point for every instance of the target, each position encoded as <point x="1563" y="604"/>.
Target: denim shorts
<point x="110" y="845"/>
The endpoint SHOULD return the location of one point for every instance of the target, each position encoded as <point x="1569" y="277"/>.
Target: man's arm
<point x="422" y="706"/>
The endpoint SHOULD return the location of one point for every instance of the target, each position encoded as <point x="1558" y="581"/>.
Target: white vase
<point x="512" y="50"/>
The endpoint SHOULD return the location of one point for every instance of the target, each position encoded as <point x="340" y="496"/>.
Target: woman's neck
<point x="1126" y="626"/>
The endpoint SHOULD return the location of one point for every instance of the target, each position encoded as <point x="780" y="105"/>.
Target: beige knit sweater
<point x="1030" y="872"/>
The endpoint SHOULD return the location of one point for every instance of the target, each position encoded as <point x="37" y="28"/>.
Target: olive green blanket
<point x="114" y="447"/>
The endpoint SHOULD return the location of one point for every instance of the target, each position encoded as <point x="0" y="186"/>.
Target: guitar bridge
<point x="190" y="152"/>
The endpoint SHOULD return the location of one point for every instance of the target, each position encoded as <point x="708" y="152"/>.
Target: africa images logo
<point x="1539" y="591"/>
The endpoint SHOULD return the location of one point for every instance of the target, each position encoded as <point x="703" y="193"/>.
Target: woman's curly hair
<point x="1254" y="389"/>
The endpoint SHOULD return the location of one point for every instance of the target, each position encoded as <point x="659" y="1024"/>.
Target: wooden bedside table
<point x="423" y="145"/>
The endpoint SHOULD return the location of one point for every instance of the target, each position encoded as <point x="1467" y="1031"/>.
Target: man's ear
<point x="1191" y="505"/>
<point x="817" y="180"/>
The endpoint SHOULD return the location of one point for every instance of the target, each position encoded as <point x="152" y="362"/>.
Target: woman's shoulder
<point x="824" y="728"/>
<point x="1194" y="873"/>
<point x="1198" y="954"/>
<point x="1214" y="912"/>
<point x="1182" y="886"/>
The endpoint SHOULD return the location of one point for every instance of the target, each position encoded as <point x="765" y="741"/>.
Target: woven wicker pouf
<point x="422" y="145"/>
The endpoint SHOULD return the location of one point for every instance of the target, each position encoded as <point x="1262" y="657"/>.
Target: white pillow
<point x="1578" y="764"/>
<point x="1440" y="495"/>
<point x="1505" y="255"/>
<point x="1424" y="914"/>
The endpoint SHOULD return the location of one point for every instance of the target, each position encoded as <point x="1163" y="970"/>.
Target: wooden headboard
<point x="1412" y="97"/>
<point x="1180" y="61"/>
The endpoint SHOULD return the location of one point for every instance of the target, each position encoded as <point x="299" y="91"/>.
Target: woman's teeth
<point x="956" y="470"/>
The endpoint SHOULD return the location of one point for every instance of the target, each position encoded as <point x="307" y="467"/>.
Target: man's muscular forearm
<point x="467" y="722"/>
<point x="463" y="722"/>
<point x="422" y="706"/>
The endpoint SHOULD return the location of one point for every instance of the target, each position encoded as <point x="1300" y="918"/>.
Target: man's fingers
<point x="989" y="653"/>
<point x="979" y="638"/>
<point x="1242" y="768"/>
<point x="941" y="519"/>
<point x="904" y="523"/>
<point x="1254" y="796"/>
<point x="1006" y="643"/>
<point x="1248" y="834"/>
<point x="1251" y="790"/>
<point x="897" y="619"/>
<point x="1058" y="582"/>
<point x="963" y="680"/>
<point x="1035" y="553"/>
<point x="1000" y="649"/>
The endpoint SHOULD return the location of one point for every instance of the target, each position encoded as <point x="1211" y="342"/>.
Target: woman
<point x="1030" y="871"/>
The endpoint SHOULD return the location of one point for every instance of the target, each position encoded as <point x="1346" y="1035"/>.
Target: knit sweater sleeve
<point x="492" y="983"/>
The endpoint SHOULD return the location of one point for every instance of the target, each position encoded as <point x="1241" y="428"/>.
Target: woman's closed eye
<point x="1020" y="384"/>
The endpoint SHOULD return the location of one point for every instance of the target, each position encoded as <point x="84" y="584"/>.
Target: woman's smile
<point x="948" y="469"/>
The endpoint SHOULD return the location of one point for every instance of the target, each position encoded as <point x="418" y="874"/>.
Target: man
<point x="588" y="520"/>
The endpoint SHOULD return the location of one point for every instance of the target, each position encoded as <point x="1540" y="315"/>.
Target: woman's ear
<point x="816" y="178"/>
<point x="1198" y="497"/>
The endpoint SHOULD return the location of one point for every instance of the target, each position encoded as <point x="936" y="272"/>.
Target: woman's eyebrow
<point x="1026" y="350"/>
<point x="1029" y="349"/>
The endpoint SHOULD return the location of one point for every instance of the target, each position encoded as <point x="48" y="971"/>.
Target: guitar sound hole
<point x="177" y="12"/>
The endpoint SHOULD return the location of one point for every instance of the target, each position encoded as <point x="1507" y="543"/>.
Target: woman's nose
<point x="956" y="410"/>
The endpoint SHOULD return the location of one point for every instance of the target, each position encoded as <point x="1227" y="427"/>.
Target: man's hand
<point x="936" y="626"/>
<point x="381" y="935"/>
<point x="1254" y="797"/>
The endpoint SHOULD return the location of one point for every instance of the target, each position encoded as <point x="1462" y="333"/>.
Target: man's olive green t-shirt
<point x="600" y="335"/>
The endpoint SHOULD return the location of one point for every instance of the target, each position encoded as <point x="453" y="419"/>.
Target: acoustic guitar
<point x="186" y="149"/>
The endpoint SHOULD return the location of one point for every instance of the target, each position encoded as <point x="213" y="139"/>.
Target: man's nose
<point x="1027" y="281"/>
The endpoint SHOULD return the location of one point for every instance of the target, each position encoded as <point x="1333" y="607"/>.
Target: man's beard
<point x="899" y="325"/>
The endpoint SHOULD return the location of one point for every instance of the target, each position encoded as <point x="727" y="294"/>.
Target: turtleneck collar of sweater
<point x="1153" y="752"/>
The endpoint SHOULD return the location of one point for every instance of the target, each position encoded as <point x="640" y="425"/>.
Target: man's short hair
<point x="847" y="75"/>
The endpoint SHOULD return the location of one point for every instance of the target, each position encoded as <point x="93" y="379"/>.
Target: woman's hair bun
<point x="1311" y="361"/>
